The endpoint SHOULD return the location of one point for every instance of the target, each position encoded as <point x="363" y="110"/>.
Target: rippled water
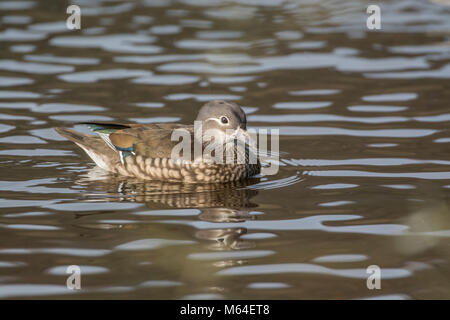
<point x="365" y="168"/>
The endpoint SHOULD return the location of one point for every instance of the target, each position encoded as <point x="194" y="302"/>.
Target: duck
<point x="146" y="151"/>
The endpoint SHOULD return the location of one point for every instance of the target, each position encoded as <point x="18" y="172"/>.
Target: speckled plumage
<point x="148" y="150"/>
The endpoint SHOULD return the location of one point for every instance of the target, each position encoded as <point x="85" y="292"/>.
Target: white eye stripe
<point x="217" y="120"/>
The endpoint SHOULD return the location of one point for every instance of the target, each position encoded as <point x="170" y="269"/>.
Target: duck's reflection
<point x="226" y="238"/>
<point x="219" y="203"/>
<point x="229" y="237"/>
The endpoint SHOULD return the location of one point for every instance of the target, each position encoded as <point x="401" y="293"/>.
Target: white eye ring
<point x="224" y="120"/>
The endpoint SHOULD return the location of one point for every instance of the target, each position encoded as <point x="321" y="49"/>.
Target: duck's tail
<point x="73" y="135"/>
<point x="94" y="146"/>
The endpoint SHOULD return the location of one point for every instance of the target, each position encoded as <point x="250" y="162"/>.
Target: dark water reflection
<point x="364" y="169"/>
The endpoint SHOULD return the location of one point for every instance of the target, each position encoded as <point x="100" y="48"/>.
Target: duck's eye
<point x="224" y="120"/>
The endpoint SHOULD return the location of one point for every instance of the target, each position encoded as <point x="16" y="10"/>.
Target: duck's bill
<point x="241" y="135"/>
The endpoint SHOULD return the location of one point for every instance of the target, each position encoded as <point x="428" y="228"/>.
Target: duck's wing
<point x="149" y="140"/>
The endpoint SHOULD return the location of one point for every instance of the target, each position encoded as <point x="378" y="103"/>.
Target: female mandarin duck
<point x="145" y="150"/>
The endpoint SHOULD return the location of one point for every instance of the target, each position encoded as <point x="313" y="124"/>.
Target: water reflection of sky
<point x="364" y="167"/>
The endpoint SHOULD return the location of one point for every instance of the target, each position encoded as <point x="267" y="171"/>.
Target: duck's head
<point x="223" y="120"/>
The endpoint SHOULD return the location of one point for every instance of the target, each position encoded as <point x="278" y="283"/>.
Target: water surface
<point x="364" y="173"/>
